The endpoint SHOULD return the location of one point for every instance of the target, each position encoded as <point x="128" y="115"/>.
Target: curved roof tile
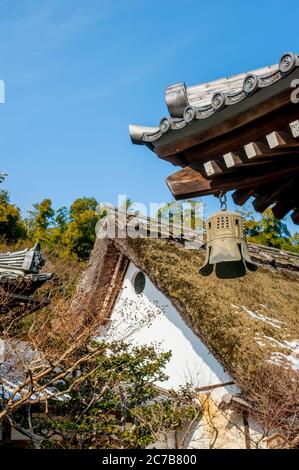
<point x="186" y="104"/>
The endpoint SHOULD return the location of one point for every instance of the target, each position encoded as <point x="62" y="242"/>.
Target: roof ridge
<point x="184" y="108"/>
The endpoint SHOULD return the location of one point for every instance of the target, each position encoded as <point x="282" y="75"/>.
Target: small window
<point x="139" y="282"/>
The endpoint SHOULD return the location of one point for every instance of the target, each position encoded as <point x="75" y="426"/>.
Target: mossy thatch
<point x="241" y="320"/>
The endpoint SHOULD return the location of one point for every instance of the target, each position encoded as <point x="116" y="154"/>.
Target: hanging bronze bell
<point x="226" y="246"/>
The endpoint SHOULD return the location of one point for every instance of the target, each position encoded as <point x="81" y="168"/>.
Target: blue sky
<point x="78" y="72"/>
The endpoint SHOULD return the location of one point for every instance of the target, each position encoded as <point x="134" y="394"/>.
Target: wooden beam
<point x="213" y="168"/>
<point x="241" y="196"/>
<point x="234" y="162"/>
<point x="255" y="149"/>
<point x="286" y="200"/>
<point x="233" y="141"/>
<point x="237" y="139"/>
<point x="188" y="181"/>
<point x="232" y="159"/>
<point x="262" y="202"/>
<point x="206" y="388"/>
<point x="259" y="150"/>
<point x="295" y="216"/>
<point x="271" y="194"/>
<point x="282" y="208"/>
<point x="264" y="160"/>
<point x="274" y="139"/>
<point x="294" y="126"/>
<point x="281" y="139"/>
<point x="256" y="175"/>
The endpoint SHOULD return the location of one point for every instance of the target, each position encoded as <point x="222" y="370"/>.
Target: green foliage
<point x="82" y="205"/>
<point x="66" y="232"/>
<point x="295" y="240"/>
<point x="71" y="231"/>
<point x="79" y="235"/>
<point x="181" y="213"/>
<point x="62" y="218"/>
<point x="40" y="220"/>
<point x="116" y="403"/>
<point x="127" y="204"/>
<point x="12" y="228"/>
<point x="269" y="231"/>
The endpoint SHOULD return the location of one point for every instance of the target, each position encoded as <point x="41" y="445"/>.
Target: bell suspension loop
<point x="223" y="201"/>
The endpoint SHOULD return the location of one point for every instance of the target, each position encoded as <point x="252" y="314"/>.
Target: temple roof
<point x="20" y="277"/>
<point x="198" y="102"/>
<point x="29" y="260"/>
<point x="236" y="134"/>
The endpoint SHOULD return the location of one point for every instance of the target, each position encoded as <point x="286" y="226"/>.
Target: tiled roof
<point x="186" y="104"/>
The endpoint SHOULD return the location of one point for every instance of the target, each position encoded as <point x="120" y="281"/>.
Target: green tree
<point x="295" y="240"/>
<point x="55" y="232"/>
<point x="79" y="237"/>
<point x="117" y="403"/>
<point x="12" y="228"/>
<point x="127" y="204"/>
<point x="41" y="218"/>
<point x="82" y="205"/>
<point x="268" y="230"/>
<point x="179" y="213"/>
<point x="62" y="217"/>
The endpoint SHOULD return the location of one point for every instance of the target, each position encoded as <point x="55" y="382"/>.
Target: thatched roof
<point x="240" y="320"/>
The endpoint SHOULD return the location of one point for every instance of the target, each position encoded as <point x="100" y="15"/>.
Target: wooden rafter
<point x="270" y="194"/>
<point x="237" y="133"/>
<point x="266" y="169"/>
<point x="295" y="216"/>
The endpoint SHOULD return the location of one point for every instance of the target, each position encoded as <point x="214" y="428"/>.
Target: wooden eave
<point x="249" y="144"/>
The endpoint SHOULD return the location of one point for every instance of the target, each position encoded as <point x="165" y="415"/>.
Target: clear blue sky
<point x="77" y="72"/>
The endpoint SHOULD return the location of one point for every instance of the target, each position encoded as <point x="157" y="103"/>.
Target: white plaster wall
<point x="150" y="318"/>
